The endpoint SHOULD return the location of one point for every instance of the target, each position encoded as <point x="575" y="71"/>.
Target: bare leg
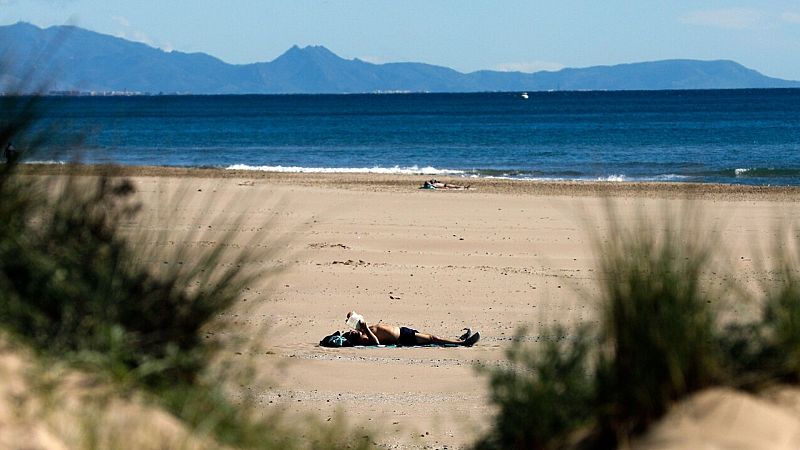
<point x="423" y="338"/>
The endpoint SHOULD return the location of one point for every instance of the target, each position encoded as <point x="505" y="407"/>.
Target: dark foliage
<point x="545" y="398"/>
<point x="69" y="284"/>
<point x="658" y="323"/>
<point x="657" y="343"/>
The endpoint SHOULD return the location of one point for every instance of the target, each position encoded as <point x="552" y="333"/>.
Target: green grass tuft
<point x="658" y="342"/>
<point x="545" y="398"/>
<point x="658" y="321"/>
<point x="71" y="285"/>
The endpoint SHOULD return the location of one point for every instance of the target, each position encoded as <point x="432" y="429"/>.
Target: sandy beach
<point x="495" y="258"/>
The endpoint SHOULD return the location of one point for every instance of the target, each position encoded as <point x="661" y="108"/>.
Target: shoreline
<point x="406" y="183"/>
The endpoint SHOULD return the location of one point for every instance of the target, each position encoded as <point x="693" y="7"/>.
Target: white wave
<point x="529" y="178"/>
<point x="616" y="178"/>
<point x="738" y="172"/>
<point x="668" y="177"/>
<point x="413" y="170"/>
<point x="48" y="161"/>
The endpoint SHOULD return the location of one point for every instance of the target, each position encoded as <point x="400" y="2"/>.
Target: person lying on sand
<point x="387" y="334"/>
<point x="436" y="184"/>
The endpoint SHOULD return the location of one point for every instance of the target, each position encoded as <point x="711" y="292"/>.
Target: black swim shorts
<point x="407" y="337"/>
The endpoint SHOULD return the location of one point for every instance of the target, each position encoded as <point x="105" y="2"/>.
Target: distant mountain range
<point x="66" y="58"/>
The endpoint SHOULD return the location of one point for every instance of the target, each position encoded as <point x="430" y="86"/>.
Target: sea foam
<point x="412" y="170"/>
<point x="617" y="178"/>
<point x="43" y="162"/>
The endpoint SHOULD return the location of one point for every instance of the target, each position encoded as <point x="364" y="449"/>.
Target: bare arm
<point x="365" y="329"/>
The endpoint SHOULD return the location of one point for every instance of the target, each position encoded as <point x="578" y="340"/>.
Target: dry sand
<point x="495" y="258"/>
<point x="60" y="408"/>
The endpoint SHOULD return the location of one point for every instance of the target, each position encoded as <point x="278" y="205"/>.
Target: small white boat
<point x="524" y="95"/>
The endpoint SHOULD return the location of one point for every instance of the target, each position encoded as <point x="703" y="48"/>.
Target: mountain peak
<point x="23" y="24"/>
<point x="24" y="27"/>
<point x="315" y="52"/>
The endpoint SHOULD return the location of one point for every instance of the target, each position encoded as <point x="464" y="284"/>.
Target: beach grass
<point x="658" y="318"/>
<point x="661" y="338"/>
<point x="545" y="398"/>
<point x="766" y="350"/>
<point x="781" y="315"/>
<point x="75" y="288"/>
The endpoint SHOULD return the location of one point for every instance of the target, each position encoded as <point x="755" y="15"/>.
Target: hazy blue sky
<point x="464" y="34"/>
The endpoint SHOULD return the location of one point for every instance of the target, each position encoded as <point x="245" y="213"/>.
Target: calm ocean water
<point x="731" y="136"/>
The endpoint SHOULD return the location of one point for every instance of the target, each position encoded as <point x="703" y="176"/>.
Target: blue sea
<point x="718" y="136"/>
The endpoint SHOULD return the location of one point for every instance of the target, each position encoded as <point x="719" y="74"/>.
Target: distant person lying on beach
<point x="387" y="334"/>
<point x="436" y="184"/>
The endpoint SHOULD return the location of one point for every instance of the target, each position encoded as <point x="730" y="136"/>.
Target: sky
<point x="466" y="35"/>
